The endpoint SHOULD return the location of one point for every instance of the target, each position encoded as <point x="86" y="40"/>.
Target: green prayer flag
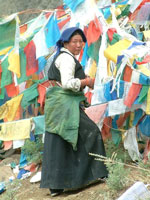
<point x="116" y="136"/>
<point x="143" y="93"/>
<point x="6" y="78"/>
<point x="93" y="50"/>
<point x="2" y="93"/>
<point x="30" y="95"/>
<point x="124" y="12"/>
<point x="127" y="123"/>
<point x="116" y="38"/>
<point x="39" y="124"/>
<point x="7" y="33"/>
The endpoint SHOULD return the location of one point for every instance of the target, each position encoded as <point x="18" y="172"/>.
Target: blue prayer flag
<point x="52" y="32"/>
<point x="85" y="56"/>
<point x="41" y="64"/>
<point x="73" y="4"/>
<point x="144" y="126"/>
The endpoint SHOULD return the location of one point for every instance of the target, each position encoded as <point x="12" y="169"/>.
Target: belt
<point x="54" y="83"/>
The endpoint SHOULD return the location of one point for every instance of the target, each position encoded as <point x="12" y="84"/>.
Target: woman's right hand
<point x="88" y="82"/>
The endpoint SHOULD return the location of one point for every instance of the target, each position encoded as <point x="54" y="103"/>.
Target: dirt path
<point x="33" y="192"/>
<point x="30" y="191"/>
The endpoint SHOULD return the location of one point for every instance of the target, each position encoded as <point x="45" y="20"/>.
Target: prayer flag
<point x="14" y="62"/>
<point x="52" y="32"/>
<point x="73" y="4"/>
<point x="96" y="112"/>
<point x="94" y="31"/>
<point x="127" y="74"/>
<point x="12" y="107"/>
<point x="41" y="64"/>
<point x="6" y="78"/>
<point x="31" y="62"/>
<point x="113" y="51"/>
<point x="148" y="102"/>
<point x="132" y="94"/>
<point x="12" y="90"/>
<point x="8" y="32"/>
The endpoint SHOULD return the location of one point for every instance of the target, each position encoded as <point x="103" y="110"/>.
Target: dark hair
<point x="77" y="32"/>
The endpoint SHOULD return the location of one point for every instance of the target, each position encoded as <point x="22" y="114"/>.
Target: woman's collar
<point x="66" y="50"/>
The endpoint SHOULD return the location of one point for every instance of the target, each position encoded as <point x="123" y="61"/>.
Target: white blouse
<point x="66" y="65"/>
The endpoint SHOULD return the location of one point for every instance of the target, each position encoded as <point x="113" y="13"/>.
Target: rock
<point x="5" y="173"/>
<point x="14" y="158"/>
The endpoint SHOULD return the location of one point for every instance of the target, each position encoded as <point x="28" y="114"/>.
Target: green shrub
<point x="33" y="150"/>
<point x="117" y="178"/>
<point x="11" y="190"/>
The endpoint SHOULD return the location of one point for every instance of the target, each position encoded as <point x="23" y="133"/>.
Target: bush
<point x="117" y="178"/>
<point x="33" y="150"/>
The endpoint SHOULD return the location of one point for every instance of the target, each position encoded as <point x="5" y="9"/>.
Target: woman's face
<point x="75" y="44"/>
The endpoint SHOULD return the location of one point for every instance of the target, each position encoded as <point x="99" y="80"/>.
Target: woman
<point x="70" y="135"/>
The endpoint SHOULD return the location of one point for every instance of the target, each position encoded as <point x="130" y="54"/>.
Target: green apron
<point x="62" y="113"/>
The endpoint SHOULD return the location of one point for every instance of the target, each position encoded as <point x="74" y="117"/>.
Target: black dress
<point x="64" y="168"/>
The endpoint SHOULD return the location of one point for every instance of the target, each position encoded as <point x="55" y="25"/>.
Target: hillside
<point x="9" y="7"/>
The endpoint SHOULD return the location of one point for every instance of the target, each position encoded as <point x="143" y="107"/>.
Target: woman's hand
<point x="88" y="82"/>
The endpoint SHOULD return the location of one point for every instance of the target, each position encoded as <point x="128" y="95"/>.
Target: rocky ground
<point x="18" y="189"/>
<point x="29" y="191"/>
<point x="33" y="192"/>
<point x="24" y="190"/>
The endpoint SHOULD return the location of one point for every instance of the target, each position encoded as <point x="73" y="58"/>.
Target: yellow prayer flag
<point x="131" y="119"/>
<point x="113" y="51"/>
<point x="123" y="135"/>
<point x="109" y="70"/>
<point x="16" y="130"/>
<point x="93" y="69"/>
<point x="132" y="59"/>
<point x="148" y="102"/>
<point x="3" y="111"/>
<point x="12" y="106"/>
<point x="14" y="62"/>
<point x="4" y="51"/>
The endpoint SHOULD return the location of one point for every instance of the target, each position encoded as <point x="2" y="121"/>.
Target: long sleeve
<point x="66" y="65"/>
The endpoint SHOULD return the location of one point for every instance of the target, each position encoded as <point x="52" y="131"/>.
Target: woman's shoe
<point x="56" y="192"/>
<point x="103" y="179"/>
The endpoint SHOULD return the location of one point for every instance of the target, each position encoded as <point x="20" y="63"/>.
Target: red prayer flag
<point x="94" y="31"/>
<point x="23" y="28"/>
<point x="63" y="22"/>
<point x="88" y="95"/>
<point x="12" y="90"/>
<point x="110" y="33"/>
<point x="0" y="69"/>
<point x="127" y="74"/>
<point x="32" y="63"/>
<point x="132" y="94"/>
<point x="48" y="14"/>
<point x="42" y="92"/>
<point x="106" y="129"/>
<point x="60" y="11"/>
